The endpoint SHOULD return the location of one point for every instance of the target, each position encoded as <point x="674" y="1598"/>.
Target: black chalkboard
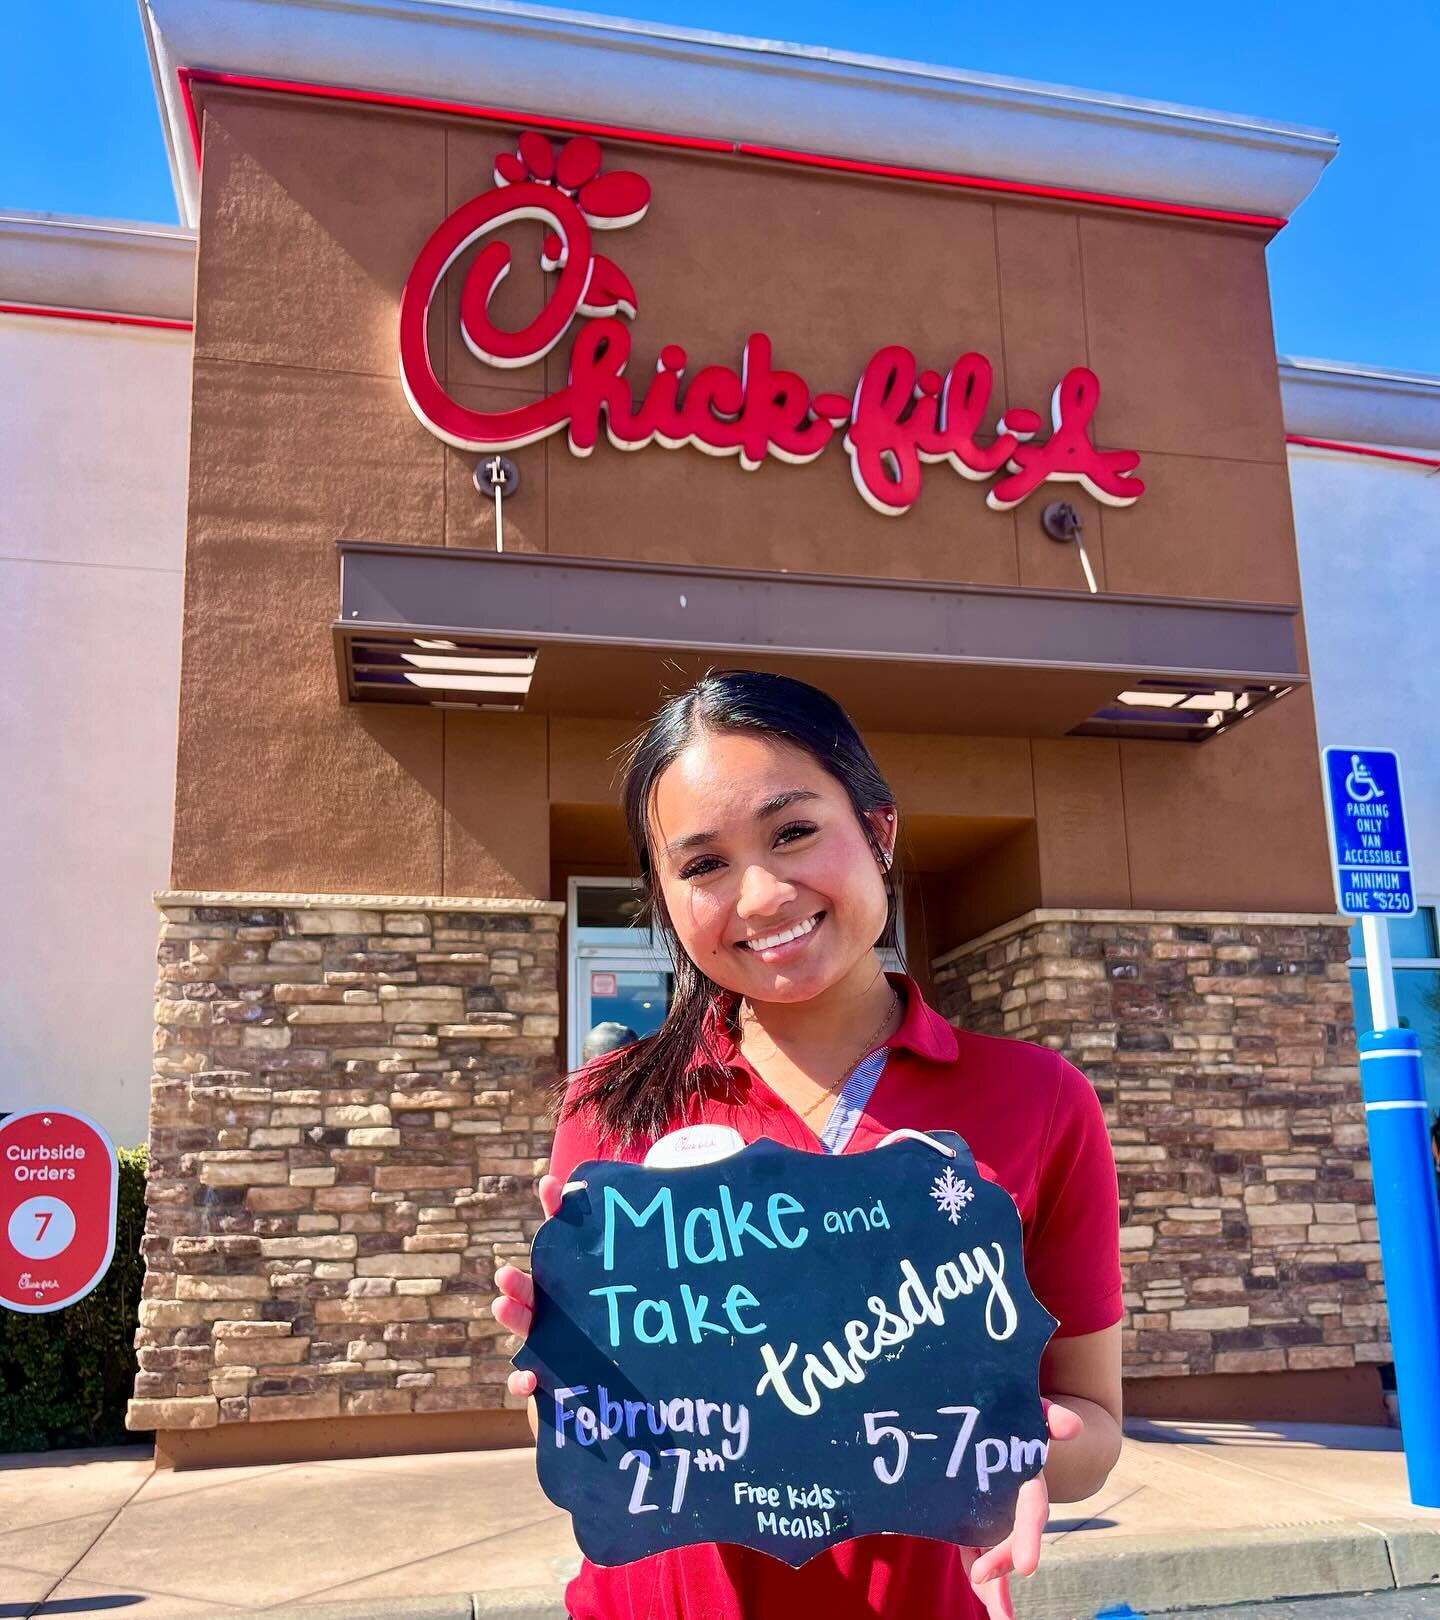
<point x="786" y="1350"/>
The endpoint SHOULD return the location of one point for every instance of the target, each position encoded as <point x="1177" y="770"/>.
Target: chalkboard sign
<point x="786" y="1350"/>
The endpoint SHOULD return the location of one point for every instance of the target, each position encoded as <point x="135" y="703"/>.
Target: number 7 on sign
<point x="972" y="1413"/>
<point x="44" y="1217"/>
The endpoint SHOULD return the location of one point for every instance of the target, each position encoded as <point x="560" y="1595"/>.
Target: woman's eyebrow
<point x="778" y="802"/>
<point x="678" y="846"/>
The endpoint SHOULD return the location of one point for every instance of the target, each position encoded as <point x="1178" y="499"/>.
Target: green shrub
<point x="66" y="1375"/>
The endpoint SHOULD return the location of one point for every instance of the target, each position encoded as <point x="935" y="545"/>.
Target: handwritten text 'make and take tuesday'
<point x="719" y="1234"/>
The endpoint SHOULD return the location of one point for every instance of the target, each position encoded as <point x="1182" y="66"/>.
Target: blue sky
<point x="1353" y="275"/>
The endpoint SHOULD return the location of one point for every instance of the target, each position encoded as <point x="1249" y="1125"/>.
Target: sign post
<point x="58" y="1188"/>
<point x="1373" y="880"/>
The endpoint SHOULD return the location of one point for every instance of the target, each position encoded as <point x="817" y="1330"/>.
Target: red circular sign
<point x="58" y="1186"/>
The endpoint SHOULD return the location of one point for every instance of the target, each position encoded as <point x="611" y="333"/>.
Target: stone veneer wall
<point x="1222" y="1046"/>
<point x="348" y="1113"/>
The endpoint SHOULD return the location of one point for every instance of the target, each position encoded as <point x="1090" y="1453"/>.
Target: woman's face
<point x="751" y="838"/>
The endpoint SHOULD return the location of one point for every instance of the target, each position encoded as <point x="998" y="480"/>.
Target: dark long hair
<point x="639" y="1089"/>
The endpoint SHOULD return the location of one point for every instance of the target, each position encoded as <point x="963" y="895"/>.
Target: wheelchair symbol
<point x="1359" y="784"/>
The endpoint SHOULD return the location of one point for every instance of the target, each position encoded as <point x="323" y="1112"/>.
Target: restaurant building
<point x="993" y="450"/>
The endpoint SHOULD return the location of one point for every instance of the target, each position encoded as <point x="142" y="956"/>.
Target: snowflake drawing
<point x="952" y="1194"/>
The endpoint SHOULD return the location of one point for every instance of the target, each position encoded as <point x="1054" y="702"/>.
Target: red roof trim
<point x="1362" y="450"/>
<point x="105" y="316"/>
<point x="701" y="143"/>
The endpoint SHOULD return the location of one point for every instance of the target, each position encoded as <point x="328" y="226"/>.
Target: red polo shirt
<point x="1035" y="1126"/>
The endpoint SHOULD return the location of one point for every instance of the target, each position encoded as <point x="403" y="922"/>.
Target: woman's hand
<point x="1019" y="1553"/>
<point x="514" y="1306"/>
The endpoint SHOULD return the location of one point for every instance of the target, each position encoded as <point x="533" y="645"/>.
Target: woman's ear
<point x="883" y="822"/>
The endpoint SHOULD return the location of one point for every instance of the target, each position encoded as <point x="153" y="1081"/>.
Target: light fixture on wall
<point x="497" y="477"/>
<point x="1062" y="522"/>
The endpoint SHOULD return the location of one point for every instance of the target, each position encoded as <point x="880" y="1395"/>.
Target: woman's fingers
<point x="514" y="1307"/>
<point x="988" y="1565"/>
<point x="521" y="1384"/>
<point x="1019" y="1553"/>
<point x="994" y="1594"/>
<point x="517" y="1285"/>
<point x="1032" y="1509"/>
<point x="512" y="1315"/>
<point x="1064" y="1423"/>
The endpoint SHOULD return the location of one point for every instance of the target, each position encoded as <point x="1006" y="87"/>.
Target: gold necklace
<point x="870" y="1040"/>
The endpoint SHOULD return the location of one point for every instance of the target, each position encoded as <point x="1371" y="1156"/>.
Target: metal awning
<point x="546" y="634"/>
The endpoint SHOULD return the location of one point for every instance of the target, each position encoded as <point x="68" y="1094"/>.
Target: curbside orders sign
<point x="58" y="1187"/>
<point x="1368" y="844"/>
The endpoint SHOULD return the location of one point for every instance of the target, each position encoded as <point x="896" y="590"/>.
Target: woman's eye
<point x="699" y="867"/>
<point x="799" y="828"/>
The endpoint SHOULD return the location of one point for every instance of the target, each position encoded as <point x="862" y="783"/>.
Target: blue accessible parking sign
<point x="1367" y="832"/>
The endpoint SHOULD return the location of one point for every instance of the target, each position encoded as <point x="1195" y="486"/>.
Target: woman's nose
<point x="762" y="894"/>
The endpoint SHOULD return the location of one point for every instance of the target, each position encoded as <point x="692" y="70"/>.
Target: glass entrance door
<point x="620" y="990"/>
<point x="619" y="972"/>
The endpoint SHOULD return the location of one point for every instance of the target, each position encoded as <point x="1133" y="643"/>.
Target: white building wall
<point x="93" y="455"/>
<point x="1368" y="531"/>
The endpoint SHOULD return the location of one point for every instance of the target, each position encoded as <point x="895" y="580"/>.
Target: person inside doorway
<point x="607" y="1036"/>
<point x="765" y="837"/>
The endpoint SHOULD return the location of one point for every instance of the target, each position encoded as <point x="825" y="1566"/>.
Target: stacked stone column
<point x="1222" y="1046"/>
<point x="351" y="1101"/>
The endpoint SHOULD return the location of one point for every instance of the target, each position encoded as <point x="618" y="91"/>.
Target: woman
<point x="765" y="837"/>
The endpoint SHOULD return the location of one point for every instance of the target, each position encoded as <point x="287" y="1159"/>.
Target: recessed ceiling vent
<point x="450" y="672"/>
<point x="1172" y="711"/>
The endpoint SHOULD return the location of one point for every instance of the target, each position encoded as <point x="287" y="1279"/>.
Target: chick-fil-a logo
<point x="899" y="417"/>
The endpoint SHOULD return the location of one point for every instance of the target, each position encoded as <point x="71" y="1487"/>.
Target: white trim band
<point x="67" y="262"/>
<point x="1329" y="400"/>
<point x="1381" y="1107"/>
<point x="1393" y="1051"/>
<point x="611" y="70"/>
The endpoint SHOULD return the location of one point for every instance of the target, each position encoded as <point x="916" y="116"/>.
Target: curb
<point x="451" y="1608"/>
<point x="510" y="1603"/>
<point x="1153" y="1575"/>
<point x="520" y="1603"/>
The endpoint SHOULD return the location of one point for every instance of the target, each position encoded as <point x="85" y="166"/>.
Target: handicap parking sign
<point x="1368" y="845"/>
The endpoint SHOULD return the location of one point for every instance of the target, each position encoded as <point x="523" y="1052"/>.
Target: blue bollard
<point x="1396" y="1117"/>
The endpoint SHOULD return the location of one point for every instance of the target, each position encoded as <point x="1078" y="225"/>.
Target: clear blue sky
<point x="1354" y="275"/>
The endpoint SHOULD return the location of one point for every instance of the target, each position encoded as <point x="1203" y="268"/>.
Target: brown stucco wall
<point x="311" y="219"/>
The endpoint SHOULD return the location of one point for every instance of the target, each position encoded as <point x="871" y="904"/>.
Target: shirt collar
<point x="922" y="1030"/>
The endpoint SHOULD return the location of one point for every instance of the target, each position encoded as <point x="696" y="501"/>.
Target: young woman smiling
<point x="765" y="837"/>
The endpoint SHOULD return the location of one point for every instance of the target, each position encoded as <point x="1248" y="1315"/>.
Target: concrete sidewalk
<point x="1194" y="1514"/>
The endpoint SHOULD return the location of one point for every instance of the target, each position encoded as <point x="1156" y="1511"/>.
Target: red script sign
<point x="899" y="416"/>
<point x="58" y="1185"/>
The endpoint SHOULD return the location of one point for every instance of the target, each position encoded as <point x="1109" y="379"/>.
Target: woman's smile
<point x="783" y="943"/>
